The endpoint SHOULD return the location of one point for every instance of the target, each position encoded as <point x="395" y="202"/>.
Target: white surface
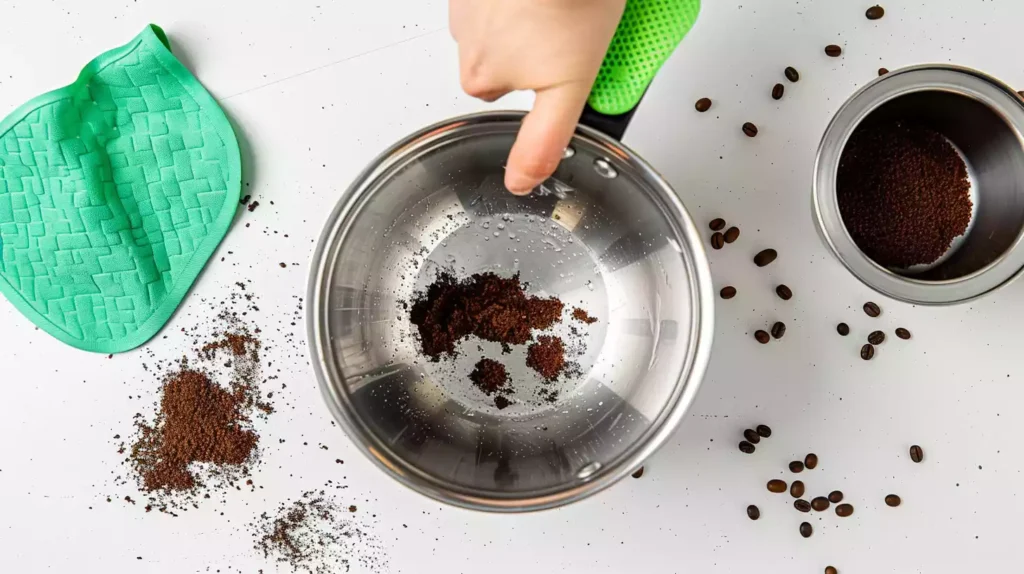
<point x="317" y="88"/>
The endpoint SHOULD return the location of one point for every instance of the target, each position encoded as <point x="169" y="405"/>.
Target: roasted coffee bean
<point x="791" y="74"/>
<point x="810" y="461"/>
<point x="732" y="234"/>
<point x="764" y="430"/>
<point x="753" y="512"/>
<point x="728" y="292"/>
<point x="703" y="104"/>
<point x="883" y="71"/>
<point x="867" y="352"/>
<point x="806" y="530"/>
<point x="796" y="490"/>
<point x="872" y="309"/>
<point x="749" y="129"/>
<point x="833" y="51"/>
<point x="639" y="472"/>
<point x="802" y="505"/>
<point x="876" y="337"/>
<point x="784" y="292"/>
<point x="777" y="91"/>
<point x="796" y="466"/>
<point x="762" y="336"/>
<point x="765" y="257"/>
<point x="717" y="224"/>
<point x="752" y="436"/>
<point x="844" y="510"/>
<point x="831" y="570"/>
<point x="892" y="500"/>
<point x="746" y="447"/>
<point x="820" y="503"/>
<point x="717" y="240"/>
<point x="843" y="329"/>
<point x="916" y="454"/>
<point x="875" y="12"/>
<point x="903" y="333"/>
<point x="835" y="497"/>
<point x="777" y="486"/>
<point x="778" y="329"/>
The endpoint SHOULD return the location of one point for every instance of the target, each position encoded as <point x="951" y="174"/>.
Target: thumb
<point x="545" y="132"/>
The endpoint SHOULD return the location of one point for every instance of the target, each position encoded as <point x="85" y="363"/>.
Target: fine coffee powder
<point x="547" y="357"/>
<point x="903" y="193"/>
<point x="486" y="305"/>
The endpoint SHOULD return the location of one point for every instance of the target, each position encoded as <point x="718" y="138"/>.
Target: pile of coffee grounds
<point x="547" y="357"/>
<point x="318" y="535"/>
<point x="582" y="316"/>
<point x="489" y="376"/>
<point x="201" y="435"/>
<point x="486" y="305"/>
<point x="903" y="193"/>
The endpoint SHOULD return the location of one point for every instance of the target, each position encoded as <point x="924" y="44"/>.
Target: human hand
<point x="553" y="47"/>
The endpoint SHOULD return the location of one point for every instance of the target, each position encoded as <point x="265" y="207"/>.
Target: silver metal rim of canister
<point x="997" y="96"/>
<point x="326" y="369"/>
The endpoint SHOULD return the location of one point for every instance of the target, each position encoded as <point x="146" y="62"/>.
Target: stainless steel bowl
<point x="611" y="237"/>
<point x="984" y="120"/>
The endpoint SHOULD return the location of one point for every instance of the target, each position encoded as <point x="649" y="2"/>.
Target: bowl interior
<point x="611" y="244"/>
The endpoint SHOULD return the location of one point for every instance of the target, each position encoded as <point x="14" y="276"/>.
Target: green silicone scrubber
<point x="647" y="34"/>
<point x="114" y="192"/>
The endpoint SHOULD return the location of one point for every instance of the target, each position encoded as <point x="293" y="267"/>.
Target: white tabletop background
<point x="318" y="87"/>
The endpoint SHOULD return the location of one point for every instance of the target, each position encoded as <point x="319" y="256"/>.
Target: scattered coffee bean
<point x="802" y="505"/>
<point x="762" y="337"/>
<point x="778" y="329"/>
<point x="717" y="224"/>
<point x="883" y="71"/>
<point x="876" y="337"/>
<point x="835" y="497"/>
<point x="703" y="105"/>
<point x="765" y="257"/>
<point x="777" y="486"/>
<point x="796" y="490"/>
<point x="867" y="352"/>
<point x="728" y="292"/>
<point x="843" y="329"/>
<point x="746" y="447"/>
<point x="791" y="74"/>
<point x="916" y="454"/>
<point x="903" y="333"/>
<point x="833" y="51"/>
<point x="806" y="530"/>
<point x="875" y="12"/>
<point x="844" y="510"/>
<point x="784" y="292"/>
<point x="820" y="503"/>
<point x="717" y="240"/>
<point x="639" y="472"/>
<point x="764" y="430"/>
<point x="752" y="436"/>
<point x="732" y="234"/>
<point x="872" y="309"/>
<point x="777" y="91"/>
<point x="753" y="512"/>
<point x="831" y="570"/>
<point x="749" y="129"/>
<point x="810" y="461"/>
<point x="892" y="500"/>
<point x="796" y="466"/>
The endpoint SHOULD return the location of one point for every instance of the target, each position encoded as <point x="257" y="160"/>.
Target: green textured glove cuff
<point x="114" y="193"/>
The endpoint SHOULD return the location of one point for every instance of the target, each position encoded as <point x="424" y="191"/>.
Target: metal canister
<point x="984" y="120"/>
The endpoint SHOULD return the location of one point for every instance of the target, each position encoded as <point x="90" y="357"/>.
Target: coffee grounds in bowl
<point x="547" y="357"/>
<point x="903" y="193"/>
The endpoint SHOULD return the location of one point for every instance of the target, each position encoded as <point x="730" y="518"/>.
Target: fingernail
<point x="518" y="183"/>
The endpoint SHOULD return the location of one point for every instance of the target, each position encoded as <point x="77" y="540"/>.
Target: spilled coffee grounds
<point x="903" y="193"/>
<point x="489" y="375"/>
<point x="486" y="305"/>
<point x="547" y="357"/>
<point x="582" y="316"/>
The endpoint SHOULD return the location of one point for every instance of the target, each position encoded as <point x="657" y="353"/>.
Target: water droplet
<point x="604" y="168"/>
<point x="568" y="152"/>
